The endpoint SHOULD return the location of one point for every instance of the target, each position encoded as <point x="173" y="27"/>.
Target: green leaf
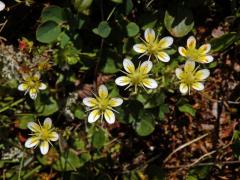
<point x="132" y="29"/>
<point x="162" y="110"/>
<point x="109" y="66"/>
<point x="79" y="144"/>
<point x="48" y="32"/>
<point x="199" y="173"/>
<point x="178" y="20"/>
<point x="79" y="113"/>
<point x="24" y="120"/>
<point x="53" y="13"/>
<point x="130" y="111"/>
<point x="46" y="106"/>
<point x="128" y="6"/>
<point x="99" y="138"/>
<point x="68" y="161"/>
<point x="151" y="101"/>
<point x="63" y="39"/>
<point x="103" y="29"/>
<point x="223" y="42"/>
<point x="117" y="1"/>
<point x="82" y="5"/>
<point x="187" y="108"/>
<point x="146" y="125"/>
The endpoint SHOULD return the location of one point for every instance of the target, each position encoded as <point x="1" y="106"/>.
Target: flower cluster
<point x="190" y="77"/>
<point x="102" y="105"/>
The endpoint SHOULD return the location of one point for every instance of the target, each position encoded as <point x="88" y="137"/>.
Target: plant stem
<point x="21" y="165"/>
<point x="11" y="105"/>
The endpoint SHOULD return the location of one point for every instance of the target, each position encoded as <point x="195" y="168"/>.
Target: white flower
<point x="2" y="6"/>
<point x="102" y="106"/>
<point x="136" y="77"/>
<point x="42" y="135"/>
<point x="151" y="46"/>
<point x="32" y="84"/>
<point x="191" y="78"/>
<point x="192" y="53"/>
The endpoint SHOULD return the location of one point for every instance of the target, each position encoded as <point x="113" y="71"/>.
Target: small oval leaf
<point x="48" y="32"/>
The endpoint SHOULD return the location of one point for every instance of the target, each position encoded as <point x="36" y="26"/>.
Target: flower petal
<point x="33" y="127"/>
<point x="145" y="67"/>
<point x="205" y="48"/>
<point x="2" y="6"/>
<point x="189" y="66"/>
<point x="31" y="142"/>
<point x="162" y="56"/>
<point x="26" y="77"/>
<point x="44" y="147"/>
<point x="150" y="83"/>
<point x="102" y="91"/>
<point x="182" y="51"/>
<point x="36" y="76"/>
<point x="202" y="74"/>
<point x="183" y="88"/>
<point x="47" y="123"/>
<point x="178" y="72"/>
<point x="149" y="35"/>
<point x="33" y="93"/>
<point x="53" y="136"/>
<point x="198" y="86"/>
<point x="123" y="81"/>
<point x="114" y="102"/>
<point x="206" y="59"/>
<point x="93" y="116"/>
<point x="23" y="87"/>
<point x="191" y="42"/>
<point x="165" y="42"/>
<point x="42" y="86"/>
<point x="90" y="102"/>
<point x="128" y="65"/>
<point x="140" y="48"/>
<point x="109" y="116"/>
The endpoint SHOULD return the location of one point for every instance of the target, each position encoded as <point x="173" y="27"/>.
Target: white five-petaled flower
<point x="42" y="135"/>
<point x="136" y="77"/>
<point x="192" y="53"/>
<point x="32" y="84"/>
<point x="152" y="47"/>
<point x="102" y="105"/>
<point x="2" y="6"/>
<point x="191" y="78"/>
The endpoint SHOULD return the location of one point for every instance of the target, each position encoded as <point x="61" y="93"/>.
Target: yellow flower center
<point x="137" y="77"/>
<point x="153" y="48"/>
<point x="103" y="103"/>
<point x="44" y="134"/>
<point x="33" y="82"/>
<point x="189" y="77"/>
<point x="193" y="54"/>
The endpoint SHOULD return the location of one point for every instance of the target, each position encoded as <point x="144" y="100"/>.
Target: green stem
<point x="111" y="13"/>
<point x="34" y="171"/>
<point x="20" y="168"/>
<point x="11" y="105"/>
